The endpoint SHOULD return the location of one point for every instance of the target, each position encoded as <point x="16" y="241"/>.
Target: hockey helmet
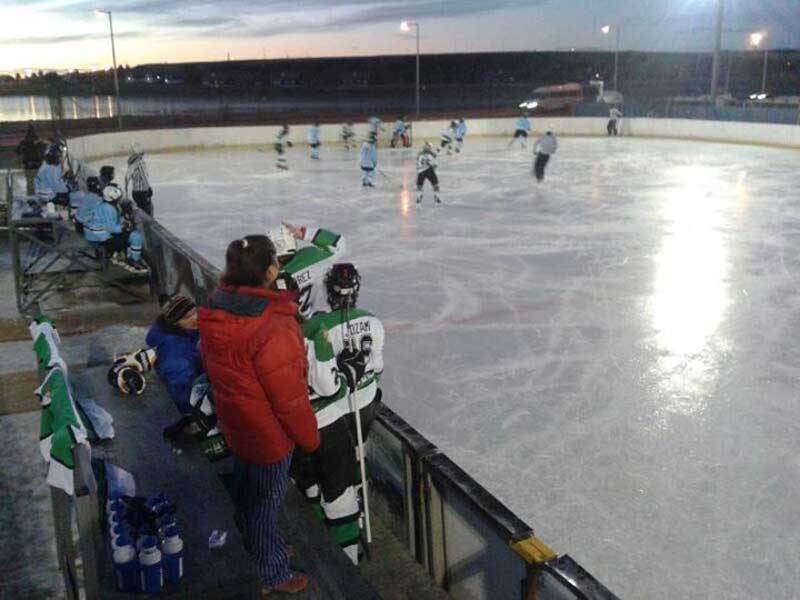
<point x="283" y="240"/>
<point x="52" y="155"/>
<point x="112" y="193"/>
<point x="93" y="185"/>
<point x="343" y="284"/>
<point x="107" y="173"/>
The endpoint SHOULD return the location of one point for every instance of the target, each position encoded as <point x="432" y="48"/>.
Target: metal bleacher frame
<point x="48" y="255"/>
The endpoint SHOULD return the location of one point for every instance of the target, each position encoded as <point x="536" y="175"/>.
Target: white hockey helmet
<point x="283" y="240"/>
<point x="112" y="193"/>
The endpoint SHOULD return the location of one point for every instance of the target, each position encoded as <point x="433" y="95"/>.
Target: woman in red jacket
<point x="253" y="354"/>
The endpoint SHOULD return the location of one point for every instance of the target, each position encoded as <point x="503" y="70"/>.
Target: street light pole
<point x="406" y="26"/>
<point x="114" y="59"/>
<point x="616" y="61"/>
<point x="764" y="72"/>
<point x="717" y="52"/>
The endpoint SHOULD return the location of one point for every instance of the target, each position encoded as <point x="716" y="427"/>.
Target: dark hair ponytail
<point x="247" y="261"/>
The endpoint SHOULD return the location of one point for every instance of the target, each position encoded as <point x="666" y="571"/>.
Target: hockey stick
<point x="389" y="179"/>
<point x="353" y="401"/>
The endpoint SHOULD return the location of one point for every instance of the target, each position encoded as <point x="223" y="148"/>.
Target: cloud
<point x="65" y="39"/>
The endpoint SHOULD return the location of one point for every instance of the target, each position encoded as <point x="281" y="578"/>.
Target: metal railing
<point x="471" y="544"/>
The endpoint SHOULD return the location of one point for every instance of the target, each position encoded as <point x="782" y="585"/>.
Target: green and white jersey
<point x="310" y="263"/>
<point x="325" y="336"/>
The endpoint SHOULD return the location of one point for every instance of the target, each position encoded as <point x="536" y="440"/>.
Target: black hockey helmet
<point x="52" y="155"/>
<point x="107" y="172"/>
<point x="93" y="185"/>
<point x="343" y="284"/>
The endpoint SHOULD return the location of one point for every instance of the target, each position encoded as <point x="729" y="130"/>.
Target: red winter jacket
<point x="253" y="354"/>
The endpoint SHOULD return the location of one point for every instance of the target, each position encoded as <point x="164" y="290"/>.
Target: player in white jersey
<point x="448" y="135"/>
<point x="314" y="140"/>
<point x="344" y="349"/>
<point x="281" y="140"/>
<point x="426" y="170"/>
<point x="347" y="135"/>
<point x="614" y="115"/>
<point x="308" y="264"/>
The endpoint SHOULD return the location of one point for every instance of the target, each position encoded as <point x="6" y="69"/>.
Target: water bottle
<point x="125" y="566"/>
<point x="113" y="497"/>
<point x="165" y="523"/>
<point x="115" y="518"/>
<point x="120" y="530"/>
<point x="172" y="549"/>
<point x="151" y="577"/>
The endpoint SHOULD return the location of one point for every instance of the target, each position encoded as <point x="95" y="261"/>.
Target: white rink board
<point x="611" y="353"/>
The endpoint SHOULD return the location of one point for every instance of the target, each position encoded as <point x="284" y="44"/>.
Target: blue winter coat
<point x="178" y="362"/>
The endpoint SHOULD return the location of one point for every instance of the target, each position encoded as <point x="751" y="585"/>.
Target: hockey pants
<point x="315" y="150"/>
<point x="539" y="165"/>
<point x="367" y="176"/>
<point x="612" y="127"/>
<point x="328" y="477"/>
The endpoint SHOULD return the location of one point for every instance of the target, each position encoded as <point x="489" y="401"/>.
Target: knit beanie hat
<point x="176" y="309"/>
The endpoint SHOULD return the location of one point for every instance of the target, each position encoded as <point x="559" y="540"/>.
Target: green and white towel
<point x="45" y="344"/>
<point x="61" y="428"/>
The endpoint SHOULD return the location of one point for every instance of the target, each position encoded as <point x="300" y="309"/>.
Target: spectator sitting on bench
<point x="82" y="203"/>
<point x="174" y="336"/>
<point x="50" y="184"/>
<point x="105" y="227"/>
<point x="106" y="175"/>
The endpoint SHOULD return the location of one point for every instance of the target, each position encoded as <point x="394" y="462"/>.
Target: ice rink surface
<point x="613" y="353"/>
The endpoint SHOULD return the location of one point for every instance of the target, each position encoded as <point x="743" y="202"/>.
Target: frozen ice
<point x="613" y="353"/>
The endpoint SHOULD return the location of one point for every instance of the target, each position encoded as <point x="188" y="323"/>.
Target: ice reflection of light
<point x="110" y="106"/>
<point x="74" y="107"/>
<point x="405" y="203"/>
<point x="32" y="105"/>
<point x="96" y="107"/>
<point x="690" y="294"/>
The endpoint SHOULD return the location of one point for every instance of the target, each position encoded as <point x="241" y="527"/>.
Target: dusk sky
<point x="66" y="34"/>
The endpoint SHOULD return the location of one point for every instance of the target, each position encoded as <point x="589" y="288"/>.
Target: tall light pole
<point x="406" y="26"/>
<point x="755" y="42"/>
<point x="606" y="29"/>
<point x="100" y="13"/>
<point x="717" y="52"/>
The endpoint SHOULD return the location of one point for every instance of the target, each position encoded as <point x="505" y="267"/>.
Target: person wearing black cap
<point x="175" y="337"/>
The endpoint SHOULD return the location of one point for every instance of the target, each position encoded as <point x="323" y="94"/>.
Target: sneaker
<point x="119" y="259"/>
<point x="296" y="583"/>
<point x="136" y="266"/>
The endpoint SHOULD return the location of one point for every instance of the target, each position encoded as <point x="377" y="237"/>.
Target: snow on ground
<point x="612" y="353"/>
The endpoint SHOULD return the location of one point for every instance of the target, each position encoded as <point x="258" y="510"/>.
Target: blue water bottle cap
<point x="172" y="531"/>
<point x="124" y="540"/>
<point x="150" y="541"/>
<point x="116" y="506"/>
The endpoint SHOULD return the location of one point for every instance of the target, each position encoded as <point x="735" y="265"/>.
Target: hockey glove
<point x="352" y="364"/>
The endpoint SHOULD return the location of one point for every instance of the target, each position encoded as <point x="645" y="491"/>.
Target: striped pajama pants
<point x="258" y="494"/>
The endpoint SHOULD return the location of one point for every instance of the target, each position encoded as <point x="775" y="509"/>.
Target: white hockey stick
<point x="351" y="399"/>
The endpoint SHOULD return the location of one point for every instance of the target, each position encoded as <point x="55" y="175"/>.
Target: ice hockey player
<point x="306" y="265"/>
<point x="344" y="348"/>
<point x="281" y="140"/>
<point x="400" y="133"/>
<point x="523" y="126"/>
<point x="50" y="183"/>
<point x="82" y="203"/>
<point x="374" y="125"/>
<point x="314" y="140"/>
<point x="368" y="160"/>
<point x="347" y="135"/>
<point x="105" y="227"/>
<point x="460" y="133"/>
<point x="544" y="148"/>
<point x="138" y="182"/>
<point x="447" y="138"/>
<point x="614" y="115"/>
<point x="426" y="170"/>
